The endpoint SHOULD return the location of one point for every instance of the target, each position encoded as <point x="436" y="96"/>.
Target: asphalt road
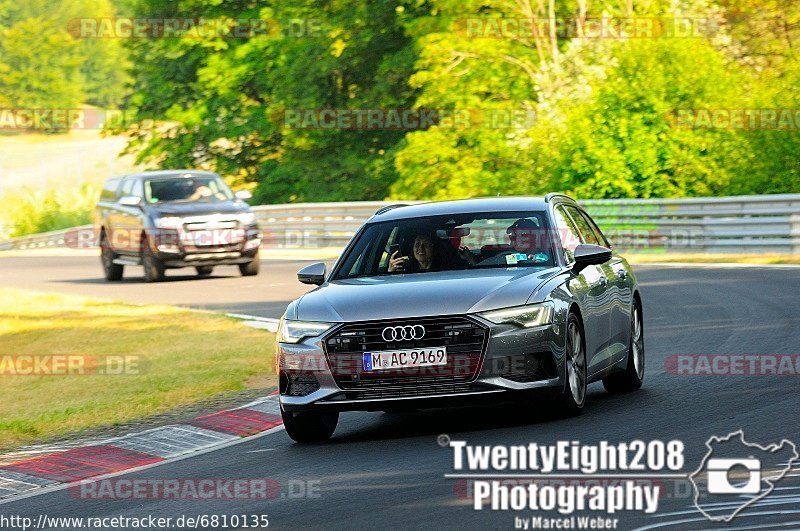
<point x="387" y="470"/>
<point x="265" y="295"/>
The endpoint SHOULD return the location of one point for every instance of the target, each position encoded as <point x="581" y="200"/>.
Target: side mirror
<point x="130" y="201"/>
<point x="312" y="274"/>
<point x="243" y="195"/>
<point x="587" y="254"/>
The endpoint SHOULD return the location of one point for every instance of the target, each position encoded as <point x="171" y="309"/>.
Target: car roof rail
<point x="388" y="208"/>
<point x="553" y="195"/>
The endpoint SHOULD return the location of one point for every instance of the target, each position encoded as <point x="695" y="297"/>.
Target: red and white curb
<point x="60" y="468"/>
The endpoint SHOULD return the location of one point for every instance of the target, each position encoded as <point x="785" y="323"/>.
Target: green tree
<point x="219" y="101"/>
<point x="44" y="65"/>
<point x="41" y="66"/>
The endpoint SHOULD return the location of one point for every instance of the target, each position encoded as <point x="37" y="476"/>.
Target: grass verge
<point x="128" y="362"/>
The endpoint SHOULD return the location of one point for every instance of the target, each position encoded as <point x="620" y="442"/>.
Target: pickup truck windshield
<point x="187" y="189"/>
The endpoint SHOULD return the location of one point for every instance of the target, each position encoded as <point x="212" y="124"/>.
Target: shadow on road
<point x="140" y="279"/>
<point x="433" y="422"/>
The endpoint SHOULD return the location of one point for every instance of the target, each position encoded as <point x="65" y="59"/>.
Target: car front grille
<point x="464" y="339"/>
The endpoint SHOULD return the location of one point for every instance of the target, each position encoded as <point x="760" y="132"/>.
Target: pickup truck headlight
<point x="248" y="218"/>
<point x="168" y="222"/>
<point x="295" y="331"/>
<point x="526" y="316"/>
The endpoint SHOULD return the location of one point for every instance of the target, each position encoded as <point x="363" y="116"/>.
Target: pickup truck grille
<point x="212" y="234"/>
<point x="215" y="224"/>
<point x="464" y="339"/>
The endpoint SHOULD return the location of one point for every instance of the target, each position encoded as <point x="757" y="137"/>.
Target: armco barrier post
<point x="795" y="233"/>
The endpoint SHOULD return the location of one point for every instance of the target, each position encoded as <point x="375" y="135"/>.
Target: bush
<point x="32" y="211"/>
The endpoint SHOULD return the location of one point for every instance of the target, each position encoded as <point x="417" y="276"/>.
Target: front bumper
<point x="176" y="250"/>
<point x="207" y="258"/>
<point x="514" y="361"/>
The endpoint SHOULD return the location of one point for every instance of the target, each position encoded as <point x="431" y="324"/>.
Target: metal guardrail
<point x="753" y="224"/>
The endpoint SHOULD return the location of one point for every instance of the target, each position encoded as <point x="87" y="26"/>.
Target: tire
<point x="310" y="426"/>
<point x="153" y="269"/>
<point x="631" y="378"/>
<point x="111" y="271"/>
<point x="250" y="269"/>
<point x="573" y="397"/>
<point x="204" y="271"/>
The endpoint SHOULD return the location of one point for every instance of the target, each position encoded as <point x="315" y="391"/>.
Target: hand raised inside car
<point x="397" y="263"/>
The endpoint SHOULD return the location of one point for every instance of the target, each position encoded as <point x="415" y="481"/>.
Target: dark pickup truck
<point x="174" y="219"/>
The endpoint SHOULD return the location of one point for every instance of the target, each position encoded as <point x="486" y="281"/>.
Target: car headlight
<point x="247" y="218"/>
<point x="169" y="222"/>
<point x="527" y="316"/>
<point x="294" y="331"/>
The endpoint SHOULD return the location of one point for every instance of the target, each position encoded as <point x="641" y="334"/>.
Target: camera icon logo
<point x="736" y="474"/>
<point x="733" y="476"/>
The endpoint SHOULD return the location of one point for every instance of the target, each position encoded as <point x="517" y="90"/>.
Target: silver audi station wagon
<point x="456" y="302"/>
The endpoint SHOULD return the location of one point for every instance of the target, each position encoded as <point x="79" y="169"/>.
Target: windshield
<point x="185" y="189"/>
<point x="421" y="245"/>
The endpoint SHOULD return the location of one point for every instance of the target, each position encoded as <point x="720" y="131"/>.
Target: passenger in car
<point x="426" y="257"/>
<point x="527" y="243"/>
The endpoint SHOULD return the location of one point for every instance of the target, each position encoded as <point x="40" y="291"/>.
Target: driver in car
<point x="524" y="237"/>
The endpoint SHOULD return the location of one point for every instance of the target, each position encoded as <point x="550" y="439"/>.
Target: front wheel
<point x="250" y="269"/>
<point x="310" y="426"/>
<point x="154" y="270"/>
<point x="111" y="271"/>
<point x="631" y="378"/>
<point x="573" y="397"/>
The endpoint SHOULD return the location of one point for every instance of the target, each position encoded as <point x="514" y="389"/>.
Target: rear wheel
<point x="153" y="268"/>
<point x="631" y="378"/>
<point x="573" y="397"/>
<point x="310" y="426"/>
<point x="111" y="271"/>
<point x="204" y="271"/>
<point x="250" y="269"/>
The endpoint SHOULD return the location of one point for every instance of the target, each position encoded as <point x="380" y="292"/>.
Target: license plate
<point x="399" y="359"/>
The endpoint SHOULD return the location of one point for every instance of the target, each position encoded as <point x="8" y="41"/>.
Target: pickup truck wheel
<point x="250" y="269"/>
<point x="153" y="269"/>
<point x="111" y="271"/>
<point x="204" y="271"/>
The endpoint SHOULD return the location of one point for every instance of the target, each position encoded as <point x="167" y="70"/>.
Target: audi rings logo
<point x="403" y="333"/>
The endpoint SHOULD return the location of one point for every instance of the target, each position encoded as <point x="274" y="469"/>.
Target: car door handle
<point x="622" y="274"/>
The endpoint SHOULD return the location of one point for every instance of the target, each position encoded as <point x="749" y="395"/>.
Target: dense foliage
<point x="587" y="113"/>
<point x="44" y="66"/>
